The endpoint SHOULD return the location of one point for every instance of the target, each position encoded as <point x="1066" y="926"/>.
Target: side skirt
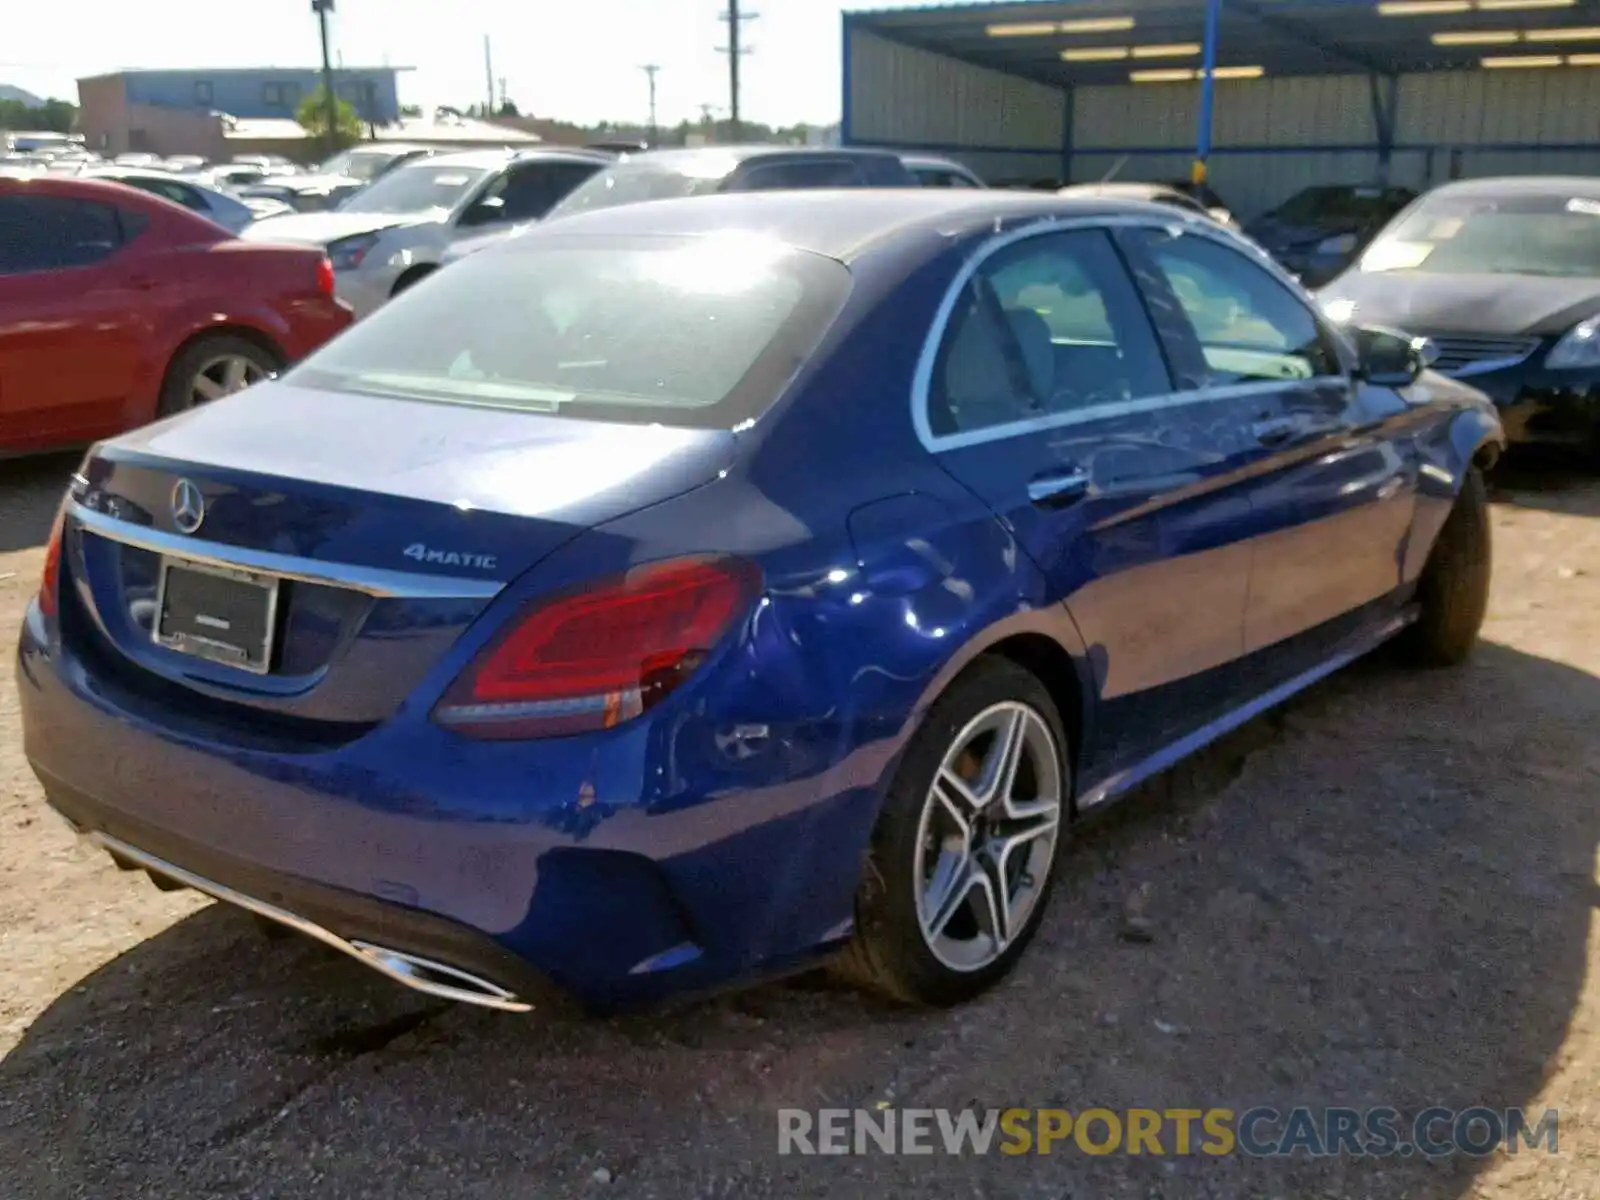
<point x="1175" y="752"/>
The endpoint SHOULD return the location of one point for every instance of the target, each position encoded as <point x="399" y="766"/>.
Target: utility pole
<point x="488" y="75"/>
<point x="650" y="70"/>
<point x="735" y="50"/>
<point x="330" y="98"/>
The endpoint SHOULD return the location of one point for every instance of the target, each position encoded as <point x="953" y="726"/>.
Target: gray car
<point x="702" y="171"/>
<point x="232" y="214"/>
<point x="396" y="231"/>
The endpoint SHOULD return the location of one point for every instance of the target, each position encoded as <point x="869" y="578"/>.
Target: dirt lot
<point x="1383" y="896"/>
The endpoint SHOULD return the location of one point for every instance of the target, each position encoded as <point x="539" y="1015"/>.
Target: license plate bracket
<point x="221" y="614"/>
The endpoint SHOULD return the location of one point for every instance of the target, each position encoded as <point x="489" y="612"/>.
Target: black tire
<point x="890" y="954"/>
<point x="178" y="385"/>
<point x="1453" y="593"/>
<point x="411" y="278"/>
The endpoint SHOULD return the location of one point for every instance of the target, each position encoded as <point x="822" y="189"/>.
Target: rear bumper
<point x="468" y="967"/>
<point x="618" y="870"/>
<point x="313" y="323"/>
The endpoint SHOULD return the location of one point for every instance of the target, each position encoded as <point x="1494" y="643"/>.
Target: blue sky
<point x="577" y="59"/>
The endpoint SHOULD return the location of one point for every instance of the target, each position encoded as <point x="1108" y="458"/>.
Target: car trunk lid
<point x="350" y="539"/>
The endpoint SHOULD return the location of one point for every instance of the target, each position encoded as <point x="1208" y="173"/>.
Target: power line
<point x="735" y="50"/>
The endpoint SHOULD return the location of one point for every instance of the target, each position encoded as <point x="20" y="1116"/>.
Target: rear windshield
<point x="632" y="182"/>
<point x="692" y="332"/>
<point x="1340" y="204"/>
<point x="1492" y="235"/>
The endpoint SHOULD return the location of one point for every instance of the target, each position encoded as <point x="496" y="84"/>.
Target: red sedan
<point x="117" y="307"/>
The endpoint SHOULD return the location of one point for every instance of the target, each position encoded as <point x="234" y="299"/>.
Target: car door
<point x="1050" y="397"/>
<point x="1332" y="504"/>
<point x="70" y="344"/>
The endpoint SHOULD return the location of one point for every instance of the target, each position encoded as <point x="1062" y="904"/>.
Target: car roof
<point x="492" y="159"/>
<point x="1128" y="190"/>
<point x="1583" y="186"/>
<point x="696" y="157"/>
<point x="843" y="225"/>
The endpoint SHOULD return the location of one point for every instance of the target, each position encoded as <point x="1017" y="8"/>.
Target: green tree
<point x="55" y="115"/>
<point x="313" y="118"/>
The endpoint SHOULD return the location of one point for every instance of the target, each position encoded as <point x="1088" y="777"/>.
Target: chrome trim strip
<point x="1176" y="752"/>
<point x="922" y="378"/>
<point x="375" y="581"/>
<point x="407" y="969"/>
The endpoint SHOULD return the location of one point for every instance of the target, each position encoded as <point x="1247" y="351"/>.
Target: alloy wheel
<point x="222" y="376"/>
<point x="987" y="837"/>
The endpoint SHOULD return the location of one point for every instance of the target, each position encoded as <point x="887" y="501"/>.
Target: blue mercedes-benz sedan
<point x="695" y="591"/>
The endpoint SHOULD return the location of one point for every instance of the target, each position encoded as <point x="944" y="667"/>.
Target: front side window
<point x="688" y="332"/>
<point x="1249" y="327"/>
<point x="46" y="233"/>
<point x="1051" y="325"/>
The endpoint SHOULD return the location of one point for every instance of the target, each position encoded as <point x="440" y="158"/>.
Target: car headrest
<point x="1038" y="352"/>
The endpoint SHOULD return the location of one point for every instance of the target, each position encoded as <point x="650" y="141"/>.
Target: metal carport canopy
<point x="1065" y="43"/>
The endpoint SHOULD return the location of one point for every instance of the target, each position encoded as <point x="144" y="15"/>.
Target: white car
<point x="232" y="214"/>
<point x="395" y="232"/>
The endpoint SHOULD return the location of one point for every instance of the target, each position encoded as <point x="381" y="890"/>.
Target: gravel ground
<point x="1381" y="896"/>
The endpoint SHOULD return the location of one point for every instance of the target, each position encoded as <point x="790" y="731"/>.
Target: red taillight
<point x="325" y="277"/>
<point x="592" y="659"/>
<point x="50" y="578"/>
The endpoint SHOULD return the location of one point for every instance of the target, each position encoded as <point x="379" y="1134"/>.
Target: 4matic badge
<point x="450" y="558"/>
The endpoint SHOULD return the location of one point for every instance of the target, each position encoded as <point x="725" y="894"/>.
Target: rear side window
<point x="810" y="173"/>
<point x="176" y="192"/>
<point x="46" y="233"/>
<point x="691" y="332"/>
<point x="1047" y="326"/>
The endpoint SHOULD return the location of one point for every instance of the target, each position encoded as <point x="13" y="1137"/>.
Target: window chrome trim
<point x="922" y="378"/>
<point x="375" y="581"/>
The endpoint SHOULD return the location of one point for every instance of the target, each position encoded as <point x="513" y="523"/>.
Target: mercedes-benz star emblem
<point x="188" y="506"/>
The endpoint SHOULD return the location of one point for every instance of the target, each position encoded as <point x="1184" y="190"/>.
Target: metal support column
<point x="1066" y="134"/>
<point x="846" y="71"/>
<point x="1208" y="87"/>
<point x="1385" y="92"/>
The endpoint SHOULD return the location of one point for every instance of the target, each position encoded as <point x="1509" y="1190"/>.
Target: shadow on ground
<point x="1548" y="478"/>
<point x="30" y="490"/>
<point x="1381" y="896"/>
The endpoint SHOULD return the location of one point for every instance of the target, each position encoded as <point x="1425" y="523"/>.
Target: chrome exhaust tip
<point x="415" y="972"/>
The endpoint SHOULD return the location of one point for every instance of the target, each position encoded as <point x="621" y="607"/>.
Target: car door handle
<point x="1274" y="431"/>
<point x="141" y="283"/>
<point x="1057" y="489"/>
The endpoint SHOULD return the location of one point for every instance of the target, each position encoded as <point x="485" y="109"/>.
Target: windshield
<point x="1492" y="235"/>
<point x="365" y="165"/>
<point x="631" y="182"/>
<point x="696" y="332"/>
<point x="416" y="188"/>
<point x="1338" y="204"/>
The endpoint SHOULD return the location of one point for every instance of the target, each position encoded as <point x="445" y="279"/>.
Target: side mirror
<point x="1389" y="358"/>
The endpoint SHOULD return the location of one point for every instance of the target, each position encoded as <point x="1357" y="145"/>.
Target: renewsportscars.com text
<point x="1258" y="1132"/>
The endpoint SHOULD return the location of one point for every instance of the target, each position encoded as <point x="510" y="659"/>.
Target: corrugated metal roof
<point x="1283" y="37"/>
